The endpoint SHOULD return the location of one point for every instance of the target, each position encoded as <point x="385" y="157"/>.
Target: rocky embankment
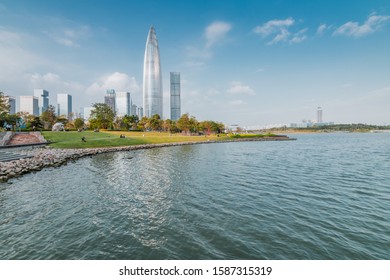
<point x="48" y="157"/>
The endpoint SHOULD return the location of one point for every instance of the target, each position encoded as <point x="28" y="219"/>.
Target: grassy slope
<point x="72" y="139"/>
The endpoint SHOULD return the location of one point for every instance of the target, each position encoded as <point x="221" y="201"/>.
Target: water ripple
<point x="321" y="197"/>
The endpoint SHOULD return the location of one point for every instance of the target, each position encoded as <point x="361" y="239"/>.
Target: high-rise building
<point x="122" y="103"/>
<point x="133" y="109"/>
<point x="29" y="104"/>
<point x="64" y="107"/>
<point x="319" y="115"/>
<point x="109" y="99"/>
<point x="11" y="102"/>
<point x="140" y="112"/>
<point x="152" y="84"/>
<point x="87" y="112"/>
<point x="175" y="96"/>
<point x="43" y="99"/>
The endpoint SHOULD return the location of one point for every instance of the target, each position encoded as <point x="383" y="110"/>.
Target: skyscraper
<point x="153" y="94"/>
<point x="122" y="103"/>
<point x="43" y="99"/>
<point x="64" y="107"/>
<point x="319" y="115"/>
<point x="175" y="96"/>
<point x="29" y="104"/>
<point x="109" y="99"/>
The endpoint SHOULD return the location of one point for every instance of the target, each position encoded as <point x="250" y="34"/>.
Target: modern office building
<point x="29" y="104"/>
<point x="109" y="99"/>
<point x="134" y="109"/>
<point x="43" y="99"/>
<point x="64" y="105"/>
<point x="175" y="96"/>
<point x="11" y="102"/>
<point x="140" y="112"/>
<point x="319" y="115"/>
<point x="122" y="103"/>
<point x="87" y="113"/>
<point x="152" y="84"/>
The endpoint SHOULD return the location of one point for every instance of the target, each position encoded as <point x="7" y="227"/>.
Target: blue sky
<point x="242" y="62"/>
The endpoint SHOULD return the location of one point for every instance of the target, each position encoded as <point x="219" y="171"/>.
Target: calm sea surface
<point x="324" y="196"/>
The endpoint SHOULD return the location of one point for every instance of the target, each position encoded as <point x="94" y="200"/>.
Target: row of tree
<point x="103" y="117"/>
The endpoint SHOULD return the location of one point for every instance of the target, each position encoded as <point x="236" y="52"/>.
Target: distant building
<point x="152" y="83"/>
<point x="140" y="112"/>
<point x="319" y="115"/>
<point x="11" y="102"/>
<point x="87" y="112"/>
<point x="64" y="105"/>
<point x="109" y="99"/>
<point x="29" y="104"/>
<point x="175" y="96"/>
<point x="122" y="103"/>
<point x="134" y="109"/>
<point x="43" y="99"/>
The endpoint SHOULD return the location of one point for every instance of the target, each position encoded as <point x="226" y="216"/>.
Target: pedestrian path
<point x="7" y="156"/>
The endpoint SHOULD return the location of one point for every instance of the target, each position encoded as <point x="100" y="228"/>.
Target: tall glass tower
<point x="175" y="96"/>
<point x="64" y="105"/>
<point x="153" y="94"/>
<point x="43" y="99"/>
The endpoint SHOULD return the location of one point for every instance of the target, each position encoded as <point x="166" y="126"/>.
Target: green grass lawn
<point x="72" y="139"/>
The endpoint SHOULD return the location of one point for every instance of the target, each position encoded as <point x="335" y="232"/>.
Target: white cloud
<point x="273" y="26"/>
<point x="298" y="37"/>
<point x="216" y="32"/>
<point x="321" y="29"/>
<point x="354" y="29"/>
<point x="55" y="84"/>
<point x="117" y="81"/>
<point x="239" y="88"/>
<point x="279" y="30"/>
<point x="280" y="37"/>
<point x="16" y="60"/>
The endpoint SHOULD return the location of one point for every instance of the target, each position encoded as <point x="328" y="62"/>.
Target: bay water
<point x="323" y="196"/>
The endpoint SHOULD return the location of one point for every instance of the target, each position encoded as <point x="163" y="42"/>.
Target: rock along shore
<point x="50" y="157"/>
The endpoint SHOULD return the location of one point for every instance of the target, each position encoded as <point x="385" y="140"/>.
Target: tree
<point x="143" y="123"/>
<point x="4" y="109"/>
<point x="193" y="125"/>
<point x="35" y="123"/>
<point x="102" y="115"/>
<point x="211" y="126"/>
<point x="4" y="106"/>
<point x="130" y="121"/>
<point x="155" y="122"/>
<point x="49" y="117"/>
<point x="183" y="124"/>
<point x="78" y="123"/>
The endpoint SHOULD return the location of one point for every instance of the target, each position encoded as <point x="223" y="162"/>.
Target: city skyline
<point x="244" y="62"/>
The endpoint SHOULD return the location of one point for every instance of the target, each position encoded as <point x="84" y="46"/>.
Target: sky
<point x="241" y="62"/>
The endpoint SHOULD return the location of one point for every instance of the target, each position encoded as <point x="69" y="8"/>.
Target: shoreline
<point x="53" y="157"/>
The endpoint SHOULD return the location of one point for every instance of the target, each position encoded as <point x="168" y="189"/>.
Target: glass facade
<point x="64" y="107"/>
<point x="175" y="96"/>
<point x="29" y="104"/>
<point x="122" y="103"/>
<point x="152" y="84"/>
<point x="43" y="99"/>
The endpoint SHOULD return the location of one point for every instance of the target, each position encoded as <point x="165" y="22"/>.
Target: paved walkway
<point x="7" y="156"/>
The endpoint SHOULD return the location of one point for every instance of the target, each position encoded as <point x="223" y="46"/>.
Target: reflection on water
<point x="320" y="197"/>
